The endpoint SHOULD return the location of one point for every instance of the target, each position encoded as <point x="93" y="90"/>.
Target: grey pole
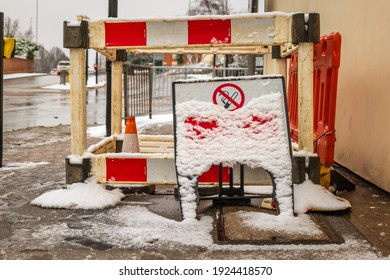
<point x="112" y="12"/>
<point x="97" y="68"/>
<point x="1" y="86"/>
<point x="86" y="66"/>
<point x="252" y="57"/>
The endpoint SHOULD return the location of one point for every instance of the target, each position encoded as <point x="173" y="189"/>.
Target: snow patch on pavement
<point x="21" y="165"/>
<point x="80" y="196"/>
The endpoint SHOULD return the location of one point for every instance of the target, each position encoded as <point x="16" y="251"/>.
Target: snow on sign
<point x="230" y="96"/>
<point x="215" y="122"/>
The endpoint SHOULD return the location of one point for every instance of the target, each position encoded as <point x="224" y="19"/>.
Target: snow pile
<point x="144" y="125"/>
<point x="89" y="195"/>
<point x="255" y="135"/>
<point x="302" y="224"/>
<point x="258" y="189"/>
<point x="309" y="196"/>
<point x="138" y="225"/>
<point x="97" y="131"/>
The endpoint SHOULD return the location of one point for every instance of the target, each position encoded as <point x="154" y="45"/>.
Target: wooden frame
<point x="246" y="33"/>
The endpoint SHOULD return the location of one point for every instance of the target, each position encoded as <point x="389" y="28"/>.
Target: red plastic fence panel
<point x="327" y="56"/>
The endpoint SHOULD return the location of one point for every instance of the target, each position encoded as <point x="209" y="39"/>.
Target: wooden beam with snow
<point x="244" y="32"/>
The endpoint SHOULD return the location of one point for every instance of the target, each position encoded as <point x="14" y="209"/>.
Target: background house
<point x="363" y="101"/>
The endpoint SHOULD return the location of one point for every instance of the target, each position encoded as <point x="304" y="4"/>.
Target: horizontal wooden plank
<point x="156" y="138"/>
<point x="187" y="34"/>
<point x="156" y="143"/>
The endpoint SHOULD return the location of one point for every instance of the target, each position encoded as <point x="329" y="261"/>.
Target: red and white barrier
<point x="232" y="30"/>
<point x="153" y="167"/>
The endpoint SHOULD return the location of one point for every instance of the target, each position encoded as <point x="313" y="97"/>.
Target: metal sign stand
<point x="251" y="88"/>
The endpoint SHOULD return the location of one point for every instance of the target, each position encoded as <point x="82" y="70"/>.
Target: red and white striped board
<point x="191" y="32"/>
<point x="160" y="169"/>
<point x="152" y="170"/>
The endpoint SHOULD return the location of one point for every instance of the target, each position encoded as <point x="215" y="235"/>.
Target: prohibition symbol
<point x="229" y="96"/>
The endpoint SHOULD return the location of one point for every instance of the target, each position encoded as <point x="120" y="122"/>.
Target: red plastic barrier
<point x="326" y="64"/>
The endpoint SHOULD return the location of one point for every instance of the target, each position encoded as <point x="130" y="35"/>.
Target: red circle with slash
<point x="230" y="96"/>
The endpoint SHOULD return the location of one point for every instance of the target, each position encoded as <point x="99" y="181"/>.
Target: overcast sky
<point x="50" y="14"/>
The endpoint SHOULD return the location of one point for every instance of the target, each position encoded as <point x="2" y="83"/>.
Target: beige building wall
<point x="363" y="97"/>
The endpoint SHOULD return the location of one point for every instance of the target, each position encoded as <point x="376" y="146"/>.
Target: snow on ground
<point x="30" y="140"/>
<point x="21" y="165"/>
<point x="91" y="84"/>
<point x="142" y="227"/>
<point x="301" y="224"/>
<point x="80" y="196"/>
<point x="307" y="197"/>
<point x="21" y="75"/>
<point x="157" y="121"/>
<point x="133" y="224"/>
<point x="143" y="123"/>
<point x="97" y="131"/>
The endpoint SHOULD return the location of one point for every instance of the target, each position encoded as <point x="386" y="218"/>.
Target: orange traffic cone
<point x="130" y="139"/>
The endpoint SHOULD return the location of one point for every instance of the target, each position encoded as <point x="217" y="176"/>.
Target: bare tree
<point x="29" y="34"/>
<point x="49" y="59"/>
<point x="209" y="7"/>
<point x="11" y="28"/>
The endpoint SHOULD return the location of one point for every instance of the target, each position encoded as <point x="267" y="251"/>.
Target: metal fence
<point x="148" y="89"/>
<point x="137" y="87"/>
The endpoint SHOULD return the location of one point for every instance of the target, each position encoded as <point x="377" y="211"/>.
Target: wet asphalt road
<point x="27" y="103"/>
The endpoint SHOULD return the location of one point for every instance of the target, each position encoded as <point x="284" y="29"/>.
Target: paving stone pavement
<point x="34" y="163"/>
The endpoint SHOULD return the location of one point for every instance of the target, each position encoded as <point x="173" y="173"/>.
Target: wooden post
<point x="281" y="67"/>
<point x="126" y="89"/>
<point x="305" y="96"/>
<point x="116" y="105"/>
<point x="305" y="32"/>
<point x="78" y="101"/>
<point x="275" y="65"/>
